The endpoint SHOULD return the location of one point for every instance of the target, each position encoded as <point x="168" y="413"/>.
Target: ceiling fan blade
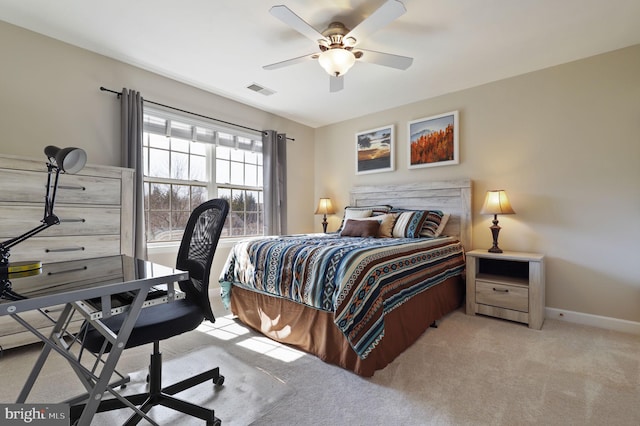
<point x="386" y="13"/>
<point x="293" y="61"/>
<point x="385" y="59"/>
<point x="285" y="14"/>
<point x="336" y="84"/>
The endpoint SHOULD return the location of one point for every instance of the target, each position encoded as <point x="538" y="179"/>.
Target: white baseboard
<point x="607" y="323"/>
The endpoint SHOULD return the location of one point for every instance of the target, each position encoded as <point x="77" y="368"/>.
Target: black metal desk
<point x="71" y="284"/>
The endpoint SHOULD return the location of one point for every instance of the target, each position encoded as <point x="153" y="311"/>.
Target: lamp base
<point x="495" y="230"/>
<point x="324" y="224"/>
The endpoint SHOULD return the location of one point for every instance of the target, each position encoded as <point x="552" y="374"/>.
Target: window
<point x="239" y="180"/>
<point x="187" y="162"/>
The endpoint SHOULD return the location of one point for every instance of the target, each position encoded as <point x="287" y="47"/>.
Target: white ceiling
<point x="221" y="45"/>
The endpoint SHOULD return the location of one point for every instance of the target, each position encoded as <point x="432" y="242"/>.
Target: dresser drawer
<point x="37" y="319"/>
<point x="57" y="249"/>
<point x="30" y="186"/>
<point x="14" y="334"/>
<point x="17" y="219"/>
<point x="8" y="341"/>
<point x="502" y="296"/>
<point x="71" y="274"/>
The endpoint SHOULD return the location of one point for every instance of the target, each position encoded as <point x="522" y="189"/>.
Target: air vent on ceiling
<point x="260" y="89"/>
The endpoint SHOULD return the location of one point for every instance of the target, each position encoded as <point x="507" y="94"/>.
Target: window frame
<point x="158" y="121"/>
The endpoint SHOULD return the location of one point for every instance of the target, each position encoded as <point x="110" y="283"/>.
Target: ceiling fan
<point x="337" y="43"/>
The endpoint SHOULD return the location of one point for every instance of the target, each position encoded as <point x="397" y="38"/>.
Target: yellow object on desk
<point x="29" y="265"/>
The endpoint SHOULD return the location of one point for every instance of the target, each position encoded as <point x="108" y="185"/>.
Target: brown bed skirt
<point x="314" y="331"/>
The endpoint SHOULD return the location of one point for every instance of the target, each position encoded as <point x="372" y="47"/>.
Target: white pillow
<point x="351" y="213"/>
<point x="354" y="213"/>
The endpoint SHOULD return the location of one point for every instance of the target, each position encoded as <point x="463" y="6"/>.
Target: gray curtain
<point x="274" y="153"/>
<point x="131" y="136"/>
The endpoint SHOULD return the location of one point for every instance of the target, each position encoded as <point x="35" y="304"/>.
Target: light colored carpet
<point x="248" y="392"/>
<point x="468" y="371"/>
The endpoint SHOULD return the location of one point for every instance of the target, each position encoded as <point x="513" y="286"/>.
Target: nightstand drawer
<point x="502" y="296"/>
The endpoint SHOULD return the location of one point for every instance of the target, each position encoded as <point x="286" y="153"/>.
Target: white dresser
<point x="95" y="208"/>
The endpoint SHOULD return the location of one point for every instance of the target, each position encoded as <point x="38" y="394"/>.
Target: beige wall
<point x="49" y="95"/>
<point x="565" y="144"/>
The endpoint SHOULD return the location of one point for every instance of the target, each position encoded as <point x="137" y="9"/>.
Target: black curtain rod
<point x="104" y="89"/>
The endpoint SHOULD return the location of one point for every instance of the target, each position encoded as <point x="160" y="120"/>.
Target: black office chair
<point x="163" y="321"/>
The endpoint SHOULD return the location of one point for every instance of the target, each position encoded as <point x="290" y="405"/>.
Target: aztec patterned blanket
<point x="358" y="279"/>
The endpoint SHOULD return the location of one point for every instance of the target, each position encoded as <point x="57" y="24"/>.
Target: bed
<point x="356" y="302"/>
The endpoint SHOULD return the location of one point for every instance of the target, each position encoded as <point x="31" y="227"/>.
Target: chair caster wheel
<point x="218" y="381"/>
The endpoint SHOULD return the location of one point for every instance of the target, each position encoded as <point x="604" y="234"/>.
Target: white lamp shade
<point x="496" y="202"/>
<point x="336" y="61"/>
<point x="325" y="206"/>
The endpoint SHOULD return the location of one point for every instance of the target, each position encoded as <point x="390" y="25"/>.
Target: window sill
<point x="172" y="246"/>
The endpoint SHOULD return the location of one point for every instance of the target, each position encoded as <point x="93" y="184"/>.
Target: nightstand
<point x="508" y="285"/>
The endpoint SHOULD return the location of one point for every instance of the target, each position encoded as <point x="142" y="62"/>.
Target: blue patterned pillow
<point x="409" y="224"/>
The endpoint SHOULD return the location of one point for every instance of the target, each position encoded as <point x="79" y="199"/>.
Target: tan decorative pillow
<point x="360" y="228"/>
<point x="386" y="222"/>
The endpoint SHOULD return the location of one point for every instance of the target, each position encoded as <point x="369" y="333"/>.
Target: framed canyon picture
<point x="374" y="150"/>
<point x="433" y="141"/>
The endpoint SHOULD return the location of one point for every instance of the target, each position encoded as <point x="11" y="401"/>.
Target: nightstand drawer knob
<point x="501" y="290"/>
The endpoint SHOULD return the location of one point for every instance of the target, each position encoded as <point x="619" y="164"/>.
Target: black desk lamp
<point x="66" y="160"/>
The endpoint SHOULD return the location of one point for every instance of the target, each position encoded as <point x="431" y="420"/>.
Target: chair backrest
<point x="197" y="248"/>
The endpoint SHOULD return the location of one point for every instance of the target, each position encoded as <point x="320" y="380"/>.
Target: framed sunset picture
<point x="374" y="150"/>
<point x="433" y="141"/>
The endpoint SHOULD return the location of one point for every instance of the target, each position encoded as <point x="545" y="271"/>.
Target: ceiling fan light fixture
<point x="337" y="61"/>
<point x="349" y="41"/>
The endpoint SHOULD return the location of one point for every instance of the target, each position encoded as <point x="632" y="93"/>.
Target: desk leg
<point x="46" y="350"/>
<point x="102" y="382"/>
<point x="95" y="396"/>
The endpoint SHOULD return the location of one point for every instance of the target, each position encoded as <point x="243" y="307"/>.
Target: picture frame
<point x="375" y="150"/>
<point x="433" y="141"/>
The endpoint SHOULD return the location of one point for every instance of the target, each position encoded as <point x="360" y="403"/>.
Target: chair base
<point x="160" y="396"/>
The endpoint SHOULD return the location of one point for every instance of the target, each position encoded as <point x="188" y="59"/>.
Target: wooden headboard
<point x="450" y="196"/>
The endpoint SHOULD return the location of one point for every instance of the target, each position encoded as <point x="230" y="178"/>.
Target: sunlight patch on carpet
<point x="227" y="329"/>
<point x="270" y="348"/>
<point x="248" y="392"/>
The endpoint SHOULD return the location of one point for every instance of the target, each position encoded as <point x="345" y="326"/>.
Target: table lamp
<point x="65" y="160"/>
<point x="495" y="203"/>
<point x="325" y="207"/>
